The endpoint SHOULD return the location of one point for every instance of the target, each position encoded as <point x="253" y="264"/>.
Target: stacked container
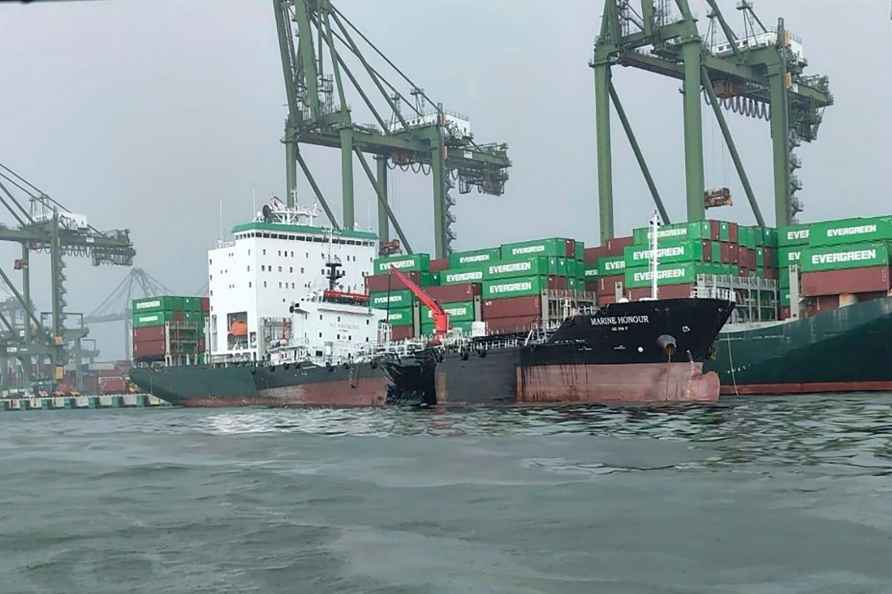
<point x="845" y="261"/>
<point x="169" y="328"/>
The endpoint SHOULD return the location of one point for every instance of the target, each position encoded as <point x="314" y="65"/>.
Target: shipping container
<point x="616" y="245"/>
<point x="161" y="303"/>
<point x="406" y="263"/>
<point x="669" y="252"/>
<point x="112" y="385"/>
<point x="667" y="292"/>
<point x="149" y="350"/>
<point x="512" y="307"/>
<point x="149" y="334"/>
<point x="556" y="246"/>
<point x="157" y="318"/>
<point x="401" y="317"/>
<point x="389" y="282"/>
<point x="674" y="233"/>
<point x="391" y="300"/>
<point x="462" y="276"/>
<point x="674" y="274"/>
<point x="835" y="233"/>
<point x="514" y="325"/>
<point x="593" y="254"/>
<point x="438" y="265"/>
<point x="747" y="237"/>
<point x="474" y="258"/>
<point x="793" y="235"/>
<point x="852" y="280"/>
<point x="530" y="266"/>
<point x="455" y="293"/>
<point x="838" y="257"/>
<point x="611" y="266"/>
<point x="205" y="304"/>
<point x="607" y="284"/>
<point x="591" y="274"/>
<point x="428" y="329"/>
<point x="827" y="302"/>
<point x="579" y="251"/>
<point x="787" y="256"/>
<point x="457" y="312"/>
<point x="398" y="333"/>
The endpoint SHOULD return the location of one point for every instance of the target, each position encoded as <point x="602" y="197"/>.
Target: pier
<point x="82" y="402"/>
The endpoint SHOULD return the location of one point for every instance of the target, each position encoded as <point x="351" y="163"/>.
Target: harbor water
<point x="750" y="495"/>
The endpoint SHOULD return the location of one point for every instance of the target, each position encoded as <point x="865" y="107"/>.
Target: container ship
<point x="812" y="304"/>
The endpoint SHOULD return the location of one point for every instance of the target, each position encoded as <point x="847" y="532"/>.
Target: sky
<point x="165" y="117"/>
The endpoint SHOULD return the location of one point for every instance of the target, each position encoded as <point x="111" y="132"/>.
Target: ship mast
<point x="654" y="259"/>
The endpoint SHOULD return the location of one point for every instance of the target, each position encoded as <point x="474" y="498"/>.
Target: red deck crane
<point x="441" y="318"/>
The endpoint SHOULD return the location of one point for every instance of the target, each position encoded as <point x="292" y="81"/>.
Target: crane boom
<point x="441" y="318"/>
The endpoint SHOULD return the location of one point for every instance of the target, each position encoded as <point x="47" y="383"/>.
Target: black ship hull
<point x="638" y="351"/>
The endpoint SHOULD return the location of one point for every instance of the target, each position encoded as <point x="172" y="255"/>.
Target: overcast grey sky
<point x="149" y="114"/>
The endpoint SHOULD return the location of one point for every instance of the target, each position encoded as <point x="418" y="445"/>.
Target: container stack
<point x="844" y="262"/>
<point x="502" y="286"/>
<point x="170" y="329"/>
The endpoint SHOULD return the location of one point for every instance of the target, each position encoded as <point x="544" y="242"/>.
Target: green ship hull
<point x="843" y="350"/>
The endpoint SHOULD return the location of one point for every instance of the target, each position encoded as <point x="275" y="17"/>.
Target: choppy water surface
<point x="750" y="496"/>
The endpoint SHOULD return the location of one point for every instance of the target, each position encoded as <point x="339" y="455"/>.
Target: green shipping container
<point x="155" y="318"/>
<point x="674" y="233"/>
<point x="580" y="251"/>
<point x="391" y="300"/>
<point x="858" y="255"/>
<point x="788" y="256"/>
<point x="427" y="328"/>
<point x="783" y="278"/>
<point x="400" y="317"/>
<point x="461" y="276"/>
<point x="523" y="286"/>
<point x="769" y="236"/>
<point x="431" y="279"/>
<point x="793" y="235"/>
<point x="532" y="266"/>
<point x="591" y="273"/>
<point x="724" y="231"/>
<point x="412" y="263"/>
<point x="164" y="303"/>
<point x="461" y="311"/>
<point x="611" y="266"/>
<point x="474" y="257"/>
<point x="552" y="247"/>
<point x="746" y="236"/>
<point x="670" y="253"/>
<point x="675" y="274"/>
<point x="851" y="231"/>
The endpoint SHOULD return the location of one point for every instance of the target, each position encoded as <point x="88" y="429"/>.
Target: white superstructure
<point x="272" y="262"/>
<point x="327" y="332"/>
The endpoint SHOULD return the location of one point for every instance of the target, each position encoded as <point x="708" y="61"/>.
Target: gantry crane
<point x="317" y="42"/>
<point x="760" y="74"/>
<point x="116" y="305"/>
<point x="47" y="226"/>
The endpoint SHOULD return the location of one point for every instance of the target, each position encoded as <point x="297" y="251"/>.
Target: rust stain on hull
<point x="637" y="382"/>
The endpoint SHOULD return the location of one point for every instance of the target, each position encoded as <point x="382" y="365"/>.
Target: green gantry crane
<point x="760" y="74"/>
<point x="47" y="226"/>
<point x="318" y="44"/>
